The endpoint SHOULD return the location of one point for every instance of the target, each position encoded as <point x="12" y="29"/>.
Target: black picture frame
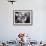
<point x="22" y="17"/>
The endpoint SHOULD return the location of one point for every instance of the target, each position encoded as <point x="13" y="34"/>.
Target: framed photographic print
<point x="22" y="17"/>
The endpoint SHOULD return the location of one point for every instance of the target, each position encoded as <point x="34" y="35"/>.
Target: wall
<point x="37" y="31"/>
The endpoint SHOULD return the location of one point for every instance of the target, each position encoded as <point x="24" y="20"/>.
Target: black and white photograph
<point x="22" y="17"/>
